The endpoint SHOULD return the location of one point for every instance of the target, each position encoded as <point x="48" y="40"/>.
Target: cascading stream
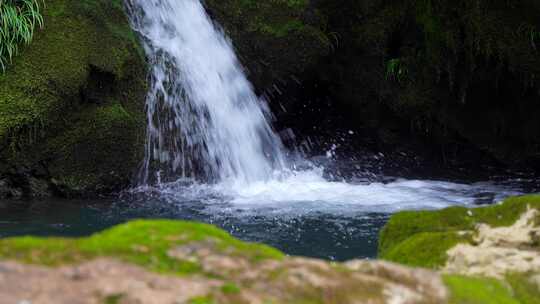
<point x="204" y="120"/>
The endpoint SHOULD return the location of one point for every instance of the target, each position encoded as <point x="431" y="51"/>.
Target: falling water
<point x="204" y="119"/>
<point x="206" y="124"/>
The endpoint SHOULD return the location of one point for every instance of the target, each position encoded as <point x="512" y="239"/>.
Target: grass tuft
<point x="18" y="20"/>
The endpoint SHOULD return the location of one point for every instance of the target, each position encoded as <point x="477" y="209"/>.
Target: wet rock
<point x="72" y="109"/>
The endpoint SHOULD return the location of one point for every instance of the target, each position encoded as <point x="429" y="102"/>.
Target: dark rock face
<point x="459" y="76"/>
<point x="275" y="39"/>
<point x="72" y="104"/>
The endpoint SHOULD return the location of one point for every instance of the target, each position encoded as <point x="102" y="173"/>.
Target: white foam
<point x="308" y="191"/>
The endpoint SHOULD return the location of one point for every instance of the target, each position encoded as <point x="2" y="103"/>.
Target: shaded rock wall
<point x="72" y="104"/>
<point x="275" y="39"/>
<point x="461" y="77"/>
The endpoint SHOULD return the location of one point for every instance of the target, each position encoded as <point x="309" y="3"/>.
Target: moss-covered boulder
<point x="72" y="103"/>
<point x="487" y="255"/>
<point x="438" y="231"/>
<point x="162" y="261"/>
<point x="179" y="262"/>
<point x="275" y="39"/>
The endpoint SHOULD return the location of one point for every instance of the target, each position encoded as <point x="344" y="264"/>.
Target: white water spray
<point x="204" y="120"/>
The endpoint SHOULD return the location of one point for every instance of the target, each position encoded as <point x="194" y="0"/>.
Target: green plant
<point x="535" y="38"/>
<point x="531" y="33"/>
<point x="396" y="70"/>
<point x="18" y="20"/>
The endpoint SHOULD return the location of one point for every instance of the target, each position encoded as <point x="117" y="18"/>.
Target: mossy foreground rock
<point x="179" y="262"/>
<point x="72" y="103"/>
<point x="488" y="255"/>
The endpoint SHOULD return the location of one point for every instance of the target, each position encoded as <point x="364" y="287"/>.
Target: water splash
<point x="210" y="140"/>
<point x="204" y="120"/>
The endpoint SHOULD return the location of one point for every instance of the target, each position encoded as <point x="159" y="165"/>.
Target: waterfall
<point x="204" y="119"/>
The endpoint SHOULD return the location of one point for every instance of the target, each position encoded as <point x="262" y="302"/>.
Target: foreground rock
<point x="486" y="255"/>
<point x="177" y="262"/>
<point x="72" y="104"/>
<point x="498" y="251"/>
<point x="496" y="247"/>
<point x="295" y="281"/>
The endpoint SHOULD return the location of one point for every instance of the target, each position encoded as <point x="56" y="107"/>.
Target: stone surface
<point x="496" y="252"/>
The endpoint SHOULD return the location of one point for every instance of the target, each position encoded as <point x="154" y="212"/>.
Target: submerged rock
<point x="72" y="103"/>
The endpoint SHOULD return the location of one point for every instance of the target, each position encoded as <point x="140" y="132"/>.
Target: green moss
<point x="524" y="289"/>
<point x="91" y="146"/>
<point x="202" y="300"/>
<point x="113" y="299"/>
<point x="230" y="288"/>
<point x="144" y="243"/>
<point x="84" y="63"/>
<point x="469" y="290"/>
<point x="405" y="225"/>
<point x="427" y="249"/>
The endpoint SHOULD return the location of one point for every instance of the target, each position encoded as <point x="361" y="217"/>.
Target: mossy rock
<point x="258" y="271"/>
<point x="515" y="289"/>
<point x="144" y="243"/>
<point x="470" y="290"/>
<point x="422" y="238"/>
<point x="274" y="39"/>
<point x="232" y="271"/>
<point x="72" y="102"/>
